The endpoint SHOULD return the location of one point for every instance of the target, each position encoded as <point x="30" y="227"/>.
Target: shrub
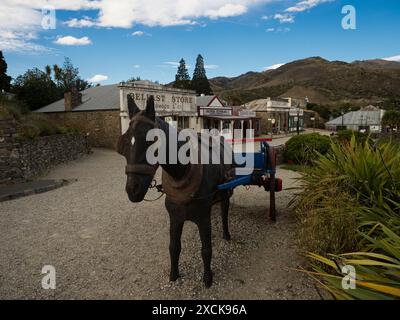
<point x="13" y="108"/>
<point x="351" y="203"/>
<point x="376" y="267"/>
<point x="28" y="131"/>
<point x="346" y="135"/>
<point x="350" y="177"/>
<point x="305" y="149"/>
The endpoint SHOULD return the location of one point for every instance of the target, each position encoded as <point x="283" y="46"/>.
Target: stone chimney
<point x="72" y="99"/>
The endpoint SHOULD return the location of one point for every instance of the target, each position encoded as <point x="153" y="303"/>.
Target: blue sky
<point x="147" y="38"/>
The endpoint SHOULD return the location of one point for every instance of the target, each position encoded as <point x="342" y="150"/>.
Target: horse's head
<point x="133" y="146"/>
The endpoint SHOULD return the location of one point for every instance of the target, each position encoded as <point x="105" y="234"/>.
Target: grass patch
<point x="349" y="213"/>
<point x="31" y="125"/>
<point x="295" y="167"/>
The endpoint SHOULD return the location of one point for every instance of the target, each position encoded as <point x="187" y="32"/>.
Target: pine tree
<point x="4" y="78"/>
<point x="182" y="78"/>
<point x="200" y="82"/>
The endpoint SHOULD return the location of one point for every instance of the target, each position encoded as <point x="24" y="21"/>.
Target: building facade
<point x="368" y="119"/>
<point x="102" y="112"/>
<point x="175" y="106"/>
<point x="278" y="115"/>
<point x="94" y="111"/>
<point x="214" y="114"/>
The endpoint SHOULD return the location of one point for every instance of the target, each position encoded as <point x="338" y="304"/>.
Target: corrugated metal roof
<point x="261" y="105"/>
<point x="95" y="98"/>
<point x="360" y="118"/>
<point x="204" y="101"/>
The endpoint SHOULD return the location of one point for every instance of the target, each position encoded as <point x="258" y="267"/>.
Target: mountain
<point x="331" y="83"/>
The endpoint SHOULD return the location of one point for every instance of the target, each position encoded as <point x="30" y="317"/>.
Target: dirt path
<point x="103" y="246"/>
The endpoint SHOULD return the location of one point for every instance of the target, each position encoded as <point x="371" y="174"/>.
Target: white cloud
<point x="98" y="78"/>
<point x="274" y="66"/>
<point x="211" y="66"/>
<point x="265" y="17"/>
<point x="25" y="15"/>
<point x="81" y="23"/>
<point x="126" y="13"/>
<point x="270" y="30"/>
<point x="306" y="5"/>
<point x="394" y="58"/>
<point x="20" y="42"/>
<point x="284" y="18"/>
<point x="136" y="66"/>
<point x="138" y="33"/>
<point x="172" y="63"/>
<point x="175" y="65"/>
<point x="227" y="10"/>
<point x="72" y="41"/>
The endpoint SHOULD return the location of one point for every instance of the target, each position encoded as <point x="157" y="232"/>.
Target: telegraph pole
<point x="298" y="119"/>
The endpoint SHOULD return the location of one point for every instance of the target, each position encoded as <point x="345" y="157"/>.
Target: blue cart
<point x="263" y="175"/>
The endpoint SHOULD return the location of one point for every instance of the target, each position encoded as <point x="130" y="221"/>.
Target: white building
<point x="175" y="106"/>
<point x="367" y="119"/>
<point x="214" y="114"/>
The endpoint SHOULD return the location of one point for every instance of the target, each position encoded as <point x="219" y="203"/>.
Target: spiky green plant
<point x="377" y="268"/>
<point x="338" y="192"/>
<point x="351" y="203"/>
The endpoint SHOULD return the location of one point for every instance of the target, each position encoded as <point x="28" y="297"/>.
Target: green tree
<point x="36" y="88"/>
<point x="133" y="79"/>
<point x="4" y="78"/>
<point x="67" y="77"/>
<point x="391" y="119"/>
<point x="199" y="81"/>
<point x="39" y="88"/>
<point x="182" y="78"/>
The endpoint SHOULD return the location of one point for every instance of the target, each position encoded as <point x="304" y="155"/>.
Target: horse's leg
<point x="204" y="225"/>
<point x="224" y="215"/>
<point x="175" y="232"/>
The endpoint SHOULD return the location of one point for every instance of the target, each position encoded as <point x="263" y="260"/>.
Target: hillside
<point x="331" y="83"/>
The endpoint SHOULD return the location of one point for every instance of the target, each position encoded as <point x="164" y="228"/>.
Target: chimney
<point x="72" y="99"/>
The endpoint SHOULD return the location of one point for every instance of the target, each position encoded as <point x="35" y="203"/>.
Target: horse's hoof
<point x="174" y="276"/>
<point x="227" y="237"/>
<point x="208" y="280"/>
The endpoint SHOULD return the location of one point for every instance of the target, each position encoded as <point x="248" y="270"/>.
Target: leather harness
<point x="144" y="168"/>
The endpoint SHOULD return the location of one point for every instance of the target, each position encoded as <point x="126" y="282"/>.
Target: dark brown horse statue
<point x="200" y="181"/>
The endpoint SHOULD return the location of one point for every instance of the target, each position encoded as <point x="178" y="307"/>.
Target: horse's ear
<point x="132" y="106"/>
<point x="150" y="108"/>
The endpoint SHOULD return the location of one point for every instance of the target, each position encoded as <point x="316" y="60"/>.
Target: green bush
<point x="353" y="184"/>
<point x="305" y="149"/>
<point x="349" y="214"/>
<point x="13" y="108"/>
<point x="28" y="132"/>
<point x="346" y="135"/>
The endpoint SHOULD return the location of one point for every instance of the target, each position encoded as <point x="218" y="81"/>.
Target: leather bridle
<point x="145" y="169"/>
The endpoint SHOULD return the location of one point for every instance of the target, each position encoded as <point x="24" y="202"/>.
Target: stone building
<point x="94" y="111"/>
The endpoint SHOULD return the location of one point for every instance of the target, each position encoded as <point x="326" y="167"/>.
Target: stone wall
<point x="24" y="160"/>
<point x="103" y="127"/>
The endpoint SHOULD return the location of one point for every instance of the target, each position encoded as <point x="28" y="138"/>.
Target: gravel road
<point x="104" y="247"/>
